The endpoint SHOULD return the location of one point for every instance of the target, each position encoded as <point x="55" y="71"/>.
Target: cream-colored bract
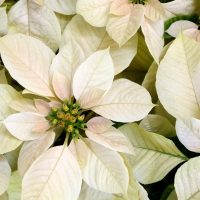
<point x="65" y="7"/>
<point x="126" y="107"/>
<point x="122" y="27"/>
<point x="95" y="12"/>
<point x="27" y="17"/>
<point x="188" y="132"/>
<point x="178" y="79"/>
<point x="101" y="131"/>
<point x="153" y="32"/>
<point x="54" y="175"/>
<point x="33" y="149"/>
<point x="96" y="72"/>
<point x="92" y="39"/>
<point x="187" y="180"/>
<point x="28" y="61"/>
<point x="180" y="26"/>
<point x="151" y="148"/>
<point x="8" y="142"/>
<point x="96" y="162"/>
<point x="178" y="7"/>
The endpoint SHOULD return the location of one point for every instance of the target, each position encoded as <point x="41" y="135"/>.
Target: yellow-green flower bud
<point x="72" y="119"/>
<point x="62" y="124"/>
<point x="74" y="111"/>
<point x="54" y="109"/>
<point x="65" y="107"/>
<point x="60" y="115"/>
<point x="82" y="125"/>
<point x="81" y="118"/>
<point x="54" y="122"/>
<point x="76" y="131"/>
<point x="70" y="129"/>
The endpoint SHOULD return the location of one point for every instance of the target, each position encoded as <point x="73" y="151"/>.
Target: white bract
<point x="178" y="89"/>
<point x="31" y="18"/>
<point x="187" y="180"/>
<point x="152" y="151"/>
<point x="187" y="27"/>
<point x="92" y="39"/>
<point x="73" y="92"/>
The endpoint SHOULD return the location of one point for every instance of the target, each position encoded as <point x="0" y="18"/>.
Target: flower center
<point x="69" y="116"/>
<point x="138" y="1"/>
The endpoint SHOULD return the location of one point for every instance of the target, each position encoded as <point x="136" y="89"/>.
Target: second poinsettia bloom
<point x="123" y="18"/>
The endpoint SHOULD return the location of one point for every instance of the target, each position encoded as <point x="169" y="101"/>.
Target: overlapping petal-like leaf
<point x="96" y="162"/>
<point x="178" y="79"/>
<point x="54" y="175"/>
<point x="187" y="180"/>
<point x="27" y="17"/>
<point x="133" y="103"/>
<point x="32" y="150"/>
<point x="152" y="151"/>
<point x="28" y="59"/>
<point x="92" y="39"/>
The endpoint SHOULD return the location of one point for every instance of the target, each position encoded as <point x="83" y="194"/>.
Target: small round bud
<point x="73" y="135"/>
<point x="54" y="122"/>
<point x="81" y="118"/>
<point x="82" y="125"/>
<point x="65" y="107"/>
<point x="60" y="115"/>
<point x="70" y="129"/>
<point x="72" y="119"/>
<point x="62" y="124"/>
<point x="54" y="109"/>
<point x="67" y="117"/>
<point x="74" y="111"/>
<point x="75" y="105"/>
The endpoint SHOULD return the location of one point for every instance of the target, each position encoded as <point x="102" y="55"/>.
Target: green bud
<point x="74" y="111"/>
<point x="70" y="129"/>
<point x="60" y="115"/>
<point x="76" y="131"/>
<point x="65" y="107"/>
<point x="82" y="125"/>
<point x="54" y="109"/>
<point x="62" y="124"/>
<point x="81" y="118"/>
<point x="72" y="119"/>
<point x="54" y="122"/>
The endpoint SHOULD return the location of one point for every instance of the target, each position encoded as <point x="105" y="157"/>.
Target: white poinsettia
<point x="123" y="18"/>
<point x="74" y="90"/>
